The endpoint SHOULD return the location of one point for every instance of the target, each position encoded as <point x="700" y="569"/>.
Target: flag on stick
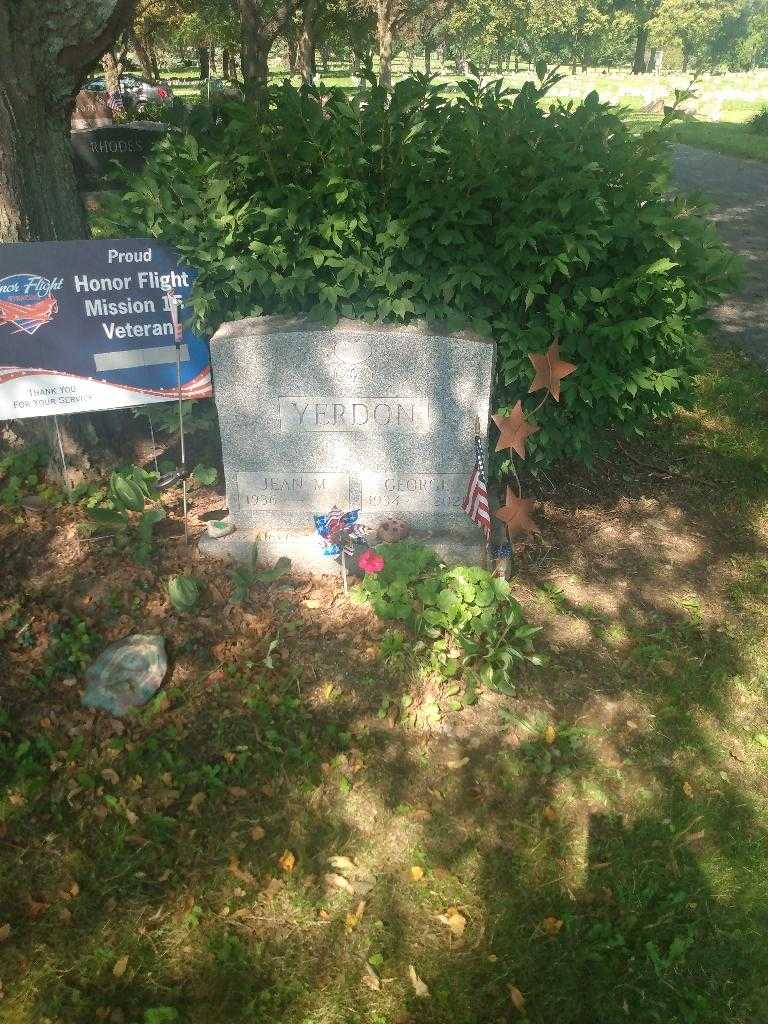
<point x="475" y="504"/>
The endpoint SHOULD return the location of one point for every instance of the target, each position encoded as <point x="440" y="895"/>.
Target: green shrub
<point x="488" y="209"/>
<point x="465" y="618"/>
<point x="758" y="123"/>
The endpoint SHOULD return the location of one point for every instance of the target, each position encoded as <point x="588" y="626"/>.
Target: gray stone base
<point x="307" y="556"/>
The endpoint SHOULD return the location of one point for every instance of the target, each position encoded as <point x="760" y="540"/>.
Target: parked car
<point x="136" y="92"/>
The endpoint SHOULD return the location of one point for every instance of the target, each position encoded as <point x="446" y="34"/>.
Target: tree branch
<point x="81" y="56"/>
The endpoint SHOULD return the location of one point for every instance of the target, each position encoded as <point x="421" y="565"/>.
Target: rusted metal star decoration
<point x="550" y="370"/>
<point x="516" y="514"/>
<point x="513" y="430"/>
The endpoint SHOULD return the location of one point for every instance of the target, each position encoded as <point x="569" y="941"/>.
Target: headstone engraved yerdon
<point x="370" y="417"/>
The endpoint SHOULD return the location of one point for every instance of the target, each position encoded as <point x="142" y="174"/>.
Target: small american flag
<point x="115" y="101"/>
<point x="476" y="502"/>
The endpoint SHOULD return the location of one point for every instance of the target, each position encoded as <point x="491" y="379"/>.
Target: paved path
<point x="738" y="189"/>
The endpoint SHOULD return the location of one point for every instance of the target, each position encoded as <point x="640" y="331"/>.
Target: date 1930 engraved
<point x="273" y="490"/>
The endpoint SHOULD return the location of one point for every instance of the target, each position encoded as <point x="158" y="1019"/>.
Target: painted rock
<point x="126" y="674"/>
<point x="391" y="530"/>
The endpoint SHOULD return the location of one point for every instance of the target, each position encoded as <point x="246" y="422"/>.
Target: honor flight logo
<point x="27" y="301"/>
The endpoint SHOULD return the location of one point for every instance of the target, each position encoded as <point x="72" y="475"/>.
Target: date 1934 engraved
<point x="413" y="492"/>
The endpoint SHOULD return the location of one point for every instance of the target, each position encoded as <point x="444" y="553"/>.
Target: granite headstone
<point x="375" y="417"/>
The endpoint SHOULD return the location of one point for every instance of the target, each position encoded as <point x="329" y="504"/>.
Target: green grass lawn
<point x="601" y="834"/>
<point x="724" y="137"/>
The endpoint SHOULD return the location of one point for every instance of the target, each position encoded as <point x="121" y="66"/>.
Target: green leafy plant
<point x="205" y="475"/>
<point x="22" y="472"/>
<point x="245" y="577"/>
<point x="758" y="123"/>
<point x="492" y="208"/>
<point x="184" y="593"/>
<point x="198" y="416"/>
<point x="124" y="509"/>
<point x="465" y="618"/>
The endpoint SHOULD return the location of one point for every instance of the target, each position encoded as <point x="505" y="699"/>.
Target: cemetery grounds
<point x="723" y="103"/>
<point x="591" y="848"/>
<point x="307" y="827"/>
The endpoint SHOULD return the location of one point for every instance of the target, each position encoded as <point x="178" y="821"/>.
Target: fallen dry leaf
<point x="195" y="802"/>
<point x="694" y="837"/>
<point x="416" y="873"/>
<point x="419" y="988"/>
<point x="5" y="931"/>
<point x="552" y="925"/>
<point x="688" y="790"/>
<point x="65" y="915"/>
<point x="550" y="734"/>
<point x="74" y="890"/>
<point x="288" y="861"/>
<point x="353" y="919"/>
<point x="110" y="775"/>
<point x="517" y="997"/>
<point x="453" y="920"/>
<point x="240" y="873"/>
<point x="257" y="833"/>
<point x="342" y="863"/>
<point x="333" y="881"/>
<point x="550" y="813"/>
<point x="37" y="907"/>
<point x="237" y="791"/>
<point x="273" y="887"/>
<point x="311" y="604"/>
<point x="120" y="967"/>
<point x="371" y="979"/>
<point x="457" y="764"/>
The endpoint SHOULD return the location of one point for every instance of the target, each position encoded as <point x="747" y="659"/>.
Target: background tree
<point x="391" y="18"/>
<point x="47" y="48"/>
<point x="695" y="28"/>
<point x="261" y="22"/>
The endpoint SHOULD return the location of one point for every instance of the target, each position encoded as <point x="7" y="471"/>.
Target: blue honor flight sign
<point x="87" y="325"/>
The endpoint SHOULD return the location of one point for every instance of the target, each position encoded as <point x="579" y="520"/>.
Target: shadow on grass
<point x="602" y="833"/>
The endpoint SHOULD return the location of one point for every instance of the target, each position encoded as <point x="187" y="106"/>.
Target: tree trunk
<point x="255" y="63"/>
<point x="203" y="59"/>
<point x="385" y="36"/>
<point x="427" y="59"/>
<point x="638" y="64"/>
<point x="142" y="56"/>
<point x="306" y="49"/>
<point x="212" y="59"/>
<point x="686" y="58"/>
<point x="154" y="63"/>
<point x="38" y="192"/>
<point x="225" y="63"/>
<point x="111" y="72"/>
<point x="258" y="33"/>
<point x="517" y="62"/>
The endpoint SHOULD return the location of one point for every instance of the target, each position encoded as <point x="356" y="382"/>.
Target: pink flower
<point x="369" y="561"/>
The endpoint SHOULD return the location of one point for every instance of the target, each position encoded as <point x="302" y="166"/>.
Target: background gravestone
<point x="96" y="148"/>
<point x="372" y="417"/>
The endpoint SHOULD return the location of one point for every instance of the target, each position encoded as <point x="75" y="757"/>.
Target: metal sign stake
<point x="174" y="301"/>
<point x="64" y="467"/>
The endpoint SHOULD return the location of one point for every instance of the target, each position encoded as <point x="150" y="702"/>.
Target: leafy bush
<point x="758" y="123"/>
<point x="465" y="617"/>
<point x="487" y="209"/>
